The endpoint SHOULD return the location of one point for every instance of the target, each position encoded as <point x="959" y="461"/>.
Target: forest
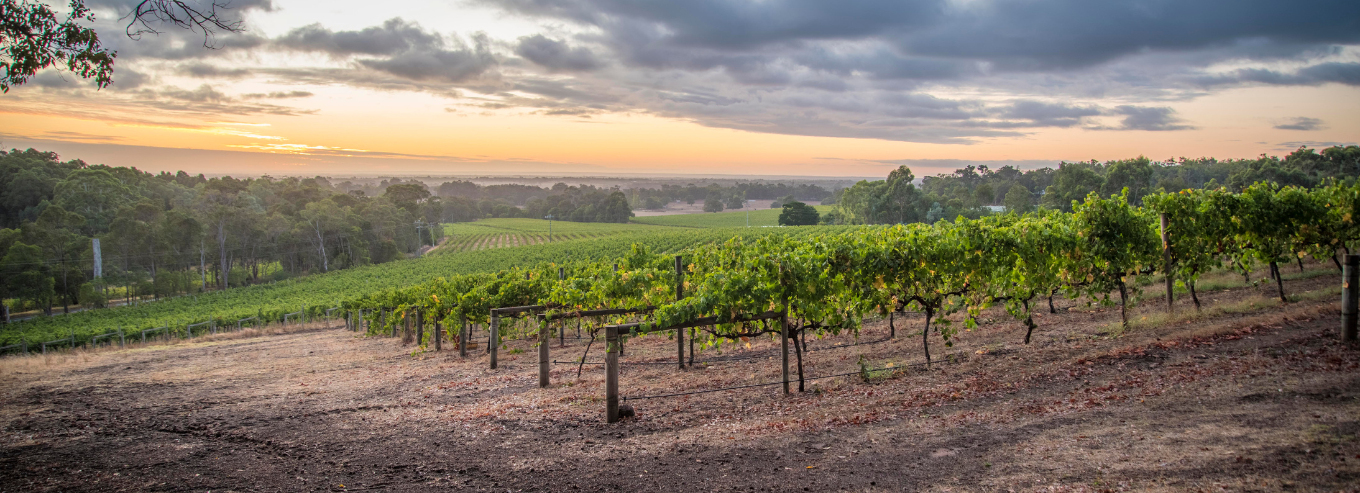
<point x="167" y="234"/>
<point x="975" y="191"/>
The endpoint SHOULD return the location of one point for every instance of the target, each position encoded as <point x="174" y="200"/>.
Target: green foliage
<point x="34" y="39"/>
<point x="796" y="213"/>
<point x="1019" y="200"/>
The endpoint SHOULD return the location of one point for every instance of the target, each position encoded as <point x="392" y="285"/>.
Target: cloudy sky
<point x="763" y="87"/>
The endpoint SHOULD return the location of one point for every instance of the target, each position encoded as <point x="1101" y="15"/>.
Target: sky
<point x="850" y="88"/>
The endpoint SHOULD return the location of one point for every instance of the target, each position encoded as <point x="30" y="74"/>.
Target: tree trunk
<point x="1300" y="260"/>
<point x="1123" y="303"/>
<point x="1275" y="269"/>
<point x="222" y="253"/>
<point x="1029" y="322"/>
<point x="892" y="329"/>
<point x="1051" y="310"/>
<point x="925" y="335"/>
<point x="582" y="364"/>
<point x="1190" y="283"/>
<point x="1337" y="262"/>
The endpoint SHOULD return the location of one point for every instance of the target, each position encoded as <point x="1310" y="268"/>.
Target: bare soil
<point x="1249" y="395"/>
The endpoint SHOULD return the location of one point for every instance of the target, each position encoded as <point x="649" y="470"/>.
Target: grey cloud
<point x="405" y="50"/>
<point x="278" y="95"/>
<point x="1149" y="118"/>
<point x="204" y="70"/>
<point x="736" y="24"/>
<point x="1301" y="123"/>
<point x="54" y="79"/>
<point x="555" y="55"/>
<point x="1029" y="35"/>
<point x="1049" y="114"/>
<point x="204" y="93"/>
<point x="1290" y="146"/>
<point x="78" y="136"/>
<point x="392" y="37"/>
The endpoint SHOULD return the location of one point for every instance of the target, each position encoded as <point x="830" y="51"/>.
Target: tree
<point x="1133" y="174"/>
<point x="94" y="194"/>
<point x="1071" y="183"/>
<point x="32" y="38"/>
<point x="796" y="213"/>
<point x="712" y="204"/>
<point x="25" y="276"/>
<point x="736" y="201"/>
<point x="1018" y="199"/>
<point x="407" y="195"/>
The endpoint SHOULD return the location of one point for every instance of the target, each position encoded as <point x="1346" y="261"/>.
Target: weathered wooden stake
<point x="1350" y="297"/>
<point x="493" y="342"/>
<point x="1170" y="277"/>
<point x="784" y="340"/>
<point x="438" y="336"/>
<point x="420" y="327"/>
<point x="561" y="322"/>
<point x="680" y="294"/>
<point x="611" y="368"/>
<point x="544" y="338"/>
<point x="462" y="335"/>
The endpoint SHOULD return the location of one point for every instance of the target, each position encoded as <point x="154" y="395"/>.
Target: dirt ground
<point x="1248" y="395"/>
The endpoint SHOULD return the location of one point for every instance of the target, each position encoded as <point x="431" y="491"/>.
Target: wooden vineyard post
<point x="784" y="341"/>
<point x="680" y="293"/>
<point x="1166" y="257"/>
<point x="561" y="322"/>
<point x="611" y="369"/>
<point x="544" y="339"/>
<point x="462" y="335"/>
<point x="493" y="341"/>
<point x="420" y="327"/>
<point x="438" y="336"/>
<point x="1350" y="297"/>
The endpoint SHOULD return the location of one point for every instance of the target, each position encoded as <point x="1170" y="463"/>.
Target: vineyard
<point x="314" y="294"/>
<point x="818" y="280"/>
<point x="733" y="219"/>
<point x="502" y="233"/>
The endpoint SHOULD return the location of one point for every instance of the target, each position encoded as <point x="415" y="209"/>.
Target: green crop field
<point x="506" y="232"/>
<point x="733" y="219"/>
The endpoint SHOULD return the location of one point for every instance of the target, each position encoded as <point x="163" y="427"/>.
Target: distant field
<point x="734" y="219"/>
<point x="500" y="233"/>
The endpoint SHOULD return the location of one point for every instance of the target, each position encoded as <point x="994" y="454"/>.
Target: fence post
<point x="679" y="294"/>
<point x="784" y="342"/>
<point x="420" y="326"/>
<point x="561" y="322"/>
<point x="493" y="341"/>
<point x="1350" y="297"/>
<point x="611" y="379"/>
<point x="438" y="336"/>
<point x="122" y="341"/>
<point x="462" y="335"/>
<point x="1166" y="257"/>
<point x="543" y="341"/>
